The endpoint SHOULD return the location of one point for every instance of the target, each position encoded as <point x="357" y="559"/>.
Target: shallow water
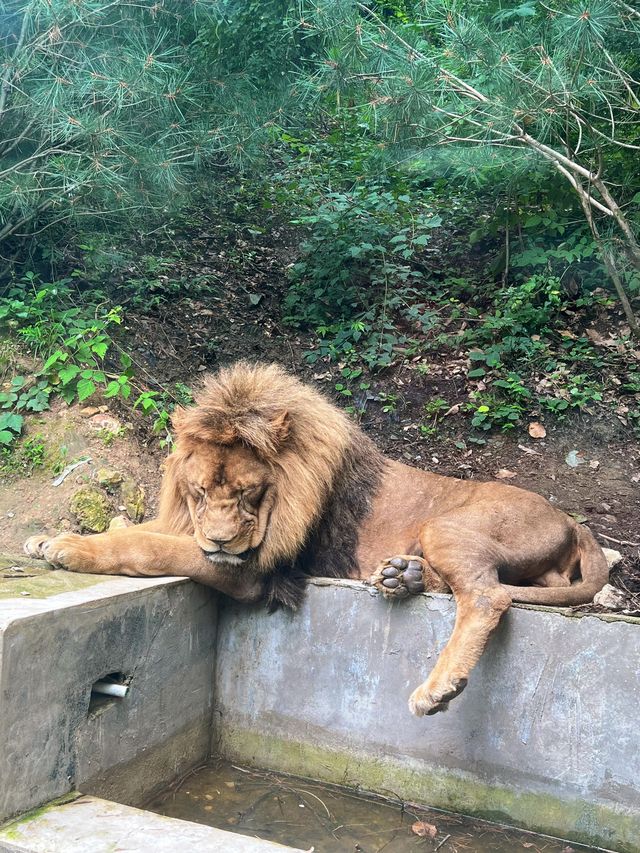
<point x="328" y="819"/>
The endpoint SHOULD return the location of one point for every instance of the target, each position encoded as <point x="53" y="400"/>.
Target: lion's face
<point x="229" y="493"/>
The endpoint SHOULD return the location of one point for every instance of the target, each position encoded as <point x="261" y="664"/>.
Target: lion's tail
<point x="593" y="568"/>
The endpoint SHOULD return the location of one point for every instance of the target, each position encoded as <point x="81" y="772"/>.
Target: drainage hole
<point x="108" y="690"/>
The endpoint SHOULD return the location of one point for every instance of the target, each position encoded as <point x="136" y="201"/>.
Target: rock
<point x="119" y="522"/>
<point x="611" y="598"/>
<point x="92" y="509"/>
<point x="133" y="499"/>
<point x="89" y="411"/>
<point x="108" y="422"/>
<point x="574" y="458"/>
<point x="613" y="556"/>
<point x="108" y="478"/>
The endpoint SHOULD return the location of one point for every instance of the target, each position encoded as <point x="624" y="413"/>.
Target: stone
<point x="119" y="522"/>
<point x="92" y="509"/>
<point x="613" y="557"/>
<point x="132" y="496"/>
<point x="108" y="478"/>
<point x="89" y="411"/>
<point x="108" y="422"/>
<point x="611" y="597"/>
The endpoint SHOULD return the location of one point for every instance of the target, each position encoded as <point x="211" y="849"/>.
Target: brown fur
<point x="269" y="484"/>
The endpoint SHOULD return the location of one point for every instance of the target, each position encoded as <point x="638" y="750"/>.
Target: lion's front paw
<point x="69" y="551"/>
<point x="34" y="545"/>
<point x="427" y="699"/>
<point x="400" y="577"/>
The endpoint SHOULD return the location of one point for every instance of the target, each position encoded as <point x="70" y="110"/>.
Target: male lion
<point x="270" y="484"/>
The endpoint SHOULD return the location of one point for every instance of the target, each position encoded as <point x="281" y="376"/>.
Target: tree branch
<point x="6" y="77"/>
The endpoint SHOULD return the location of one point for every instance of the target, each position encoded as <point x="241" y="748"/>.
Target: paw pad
<point x="399" y="577"/>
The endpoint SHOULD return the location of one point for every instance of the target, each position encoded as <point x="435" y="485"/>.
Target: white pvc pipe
<point x="109" y="689"/>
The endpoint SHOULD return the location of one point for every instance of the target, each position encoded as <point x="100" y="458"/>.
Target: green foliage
<point x="10" y="426"/>
<point x="400" y="140"/>
<point x="358" y="245"/>
<point x="110" y="110"/>
<point x="72" y="341"/>
<point x="355" y="268"/>
<point x="526" y="88"/>
<point x="20" y="397"/>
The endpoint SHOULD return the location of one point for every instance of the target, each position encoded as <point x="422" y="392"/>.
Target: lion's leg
<point x="469" y="568"/>
<point x="141" y="553"/>
<point x="477" y="615"/>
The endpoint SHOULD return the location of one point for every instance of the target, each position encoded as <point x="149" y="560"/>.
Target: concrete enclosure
<point x="160" y="634"/>
<point x="545" y="735"/>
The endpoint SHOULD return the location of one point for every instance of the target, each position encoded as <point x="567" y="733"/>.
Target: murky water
<point x="327" y="819"/>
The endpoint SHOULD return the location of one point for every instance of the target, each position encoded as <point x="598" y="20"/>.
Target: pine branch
<point x="6" y="77"/>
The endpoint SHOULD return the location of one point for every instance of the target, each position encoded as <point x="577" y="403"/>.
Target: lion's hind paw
<point x="399" y="577"/>
<point x="426" y="700"/>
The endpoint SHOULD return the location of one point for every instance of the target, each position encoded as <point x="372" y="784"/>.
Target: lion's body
<point x="269" y="484"/>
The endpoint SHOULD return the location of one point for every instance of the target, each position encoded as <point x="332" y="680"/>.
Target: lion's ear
<point x="280" y="426"/>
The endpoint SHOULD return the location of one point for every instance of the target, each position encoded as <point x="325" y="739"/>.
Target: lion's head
<point x="229" y="492"/>
<point x="262" y="466"/>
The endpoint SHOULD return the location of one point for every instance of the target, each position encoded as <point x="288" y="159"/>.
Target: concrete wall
<point x="161" y="633"/>
<point x="546" y="734"/>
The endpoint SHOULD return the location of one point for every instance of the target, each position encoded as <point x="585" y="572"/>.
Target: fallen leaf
<point x="536" y="430"/>
<point x="567" y="334"/>
<point x="529" y="450"/>
<point x="504" y="474"/>
<point x="452" y="411"/>
<point x="424" y="830"/>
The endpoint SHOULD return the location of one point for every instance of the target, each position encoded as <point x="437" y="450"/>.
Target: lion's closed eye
<point x="252" y="495"/>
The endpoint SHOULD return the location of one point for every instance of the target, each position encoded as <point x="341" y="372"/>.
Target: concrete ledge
<point x="89" y="824"/>
<point x="160" y="633"/>
<point x="543" y="737"/>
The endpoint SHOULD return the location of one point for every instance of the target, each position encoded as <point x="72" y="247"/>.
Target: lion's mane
<point x="326" y="471"/>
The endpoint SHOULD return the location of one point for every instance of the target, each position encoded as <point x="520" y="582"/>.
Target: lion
<point x="270" y="484"/>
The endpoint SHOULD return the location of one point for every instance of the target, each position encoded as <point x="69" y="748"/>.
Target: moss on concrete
<point x="13" y="830"/>
<point x="455" y="791"/>
<point x="24" y="577"/>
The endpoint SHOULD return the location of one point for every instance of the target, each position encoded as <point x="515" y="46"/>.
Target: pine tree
<point x="555" y="82"/>
<point x="101" y="110"/>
